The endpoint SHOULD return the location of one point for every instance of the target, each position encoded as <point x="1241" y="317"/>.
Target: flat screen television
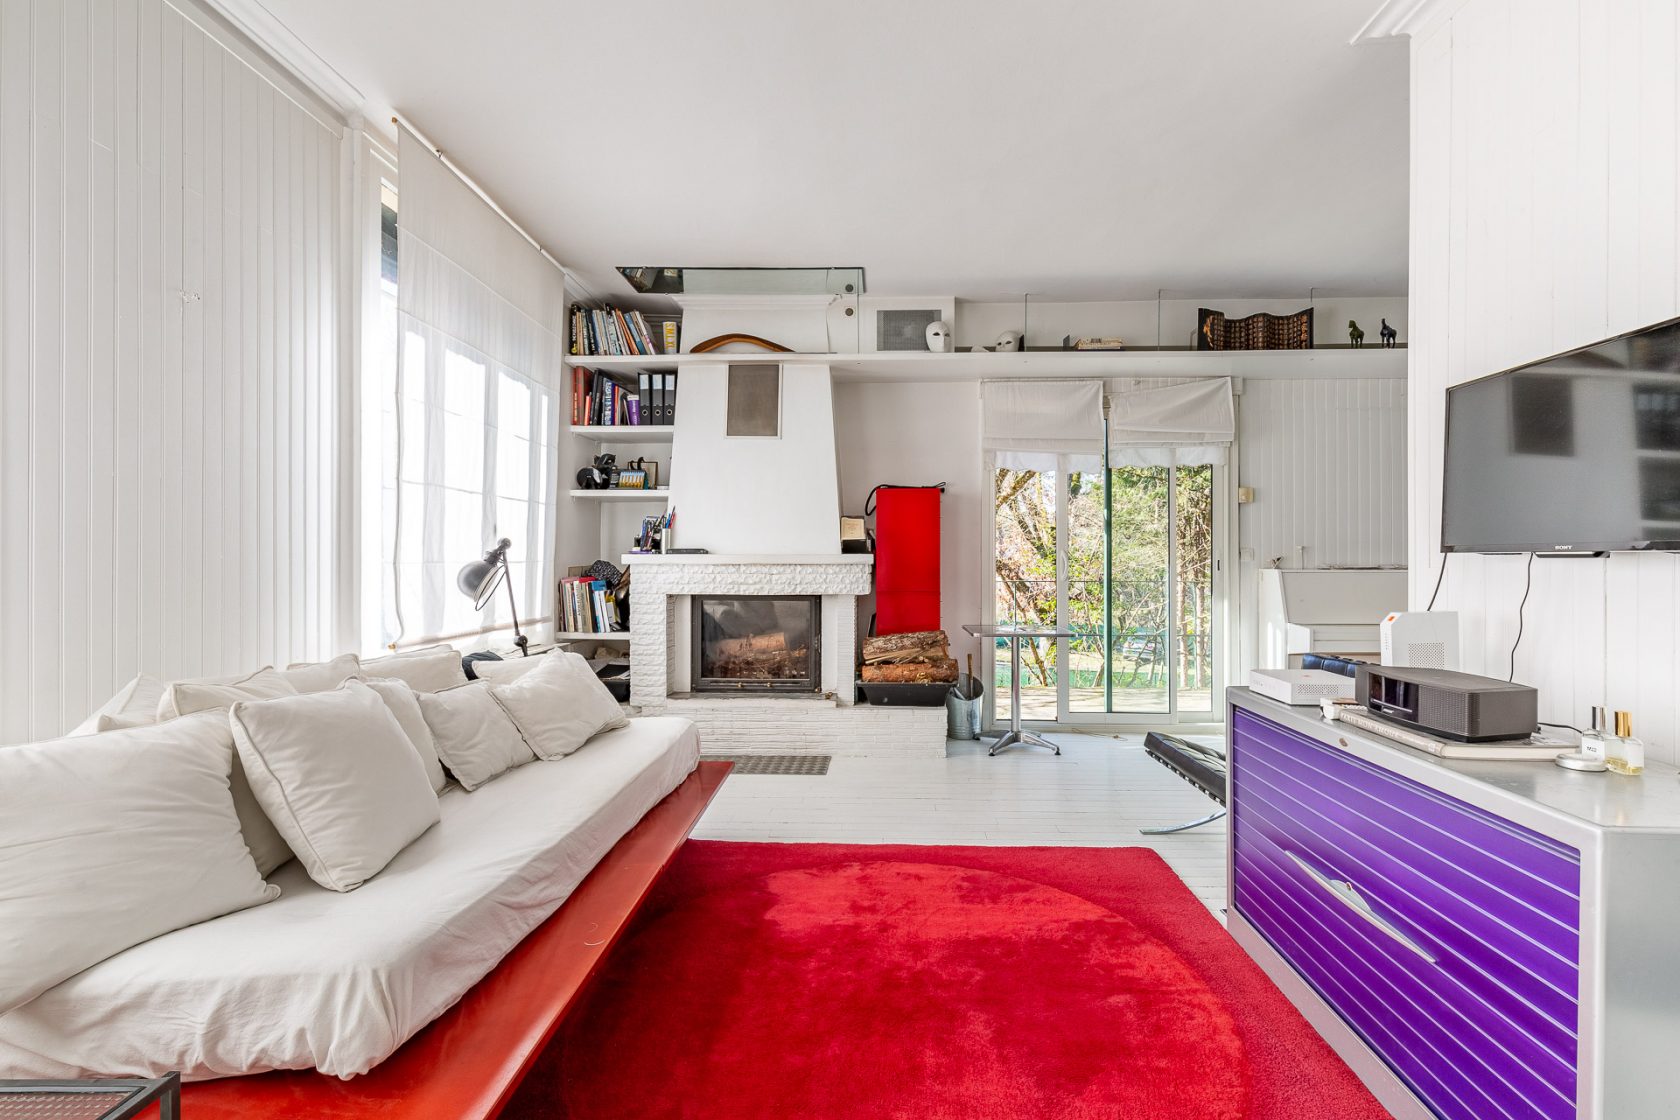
<point x="1579" y="452"/>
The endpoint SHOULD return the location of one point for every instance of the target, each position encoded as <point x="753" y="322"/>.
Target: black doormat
<point x="816" y="764"/>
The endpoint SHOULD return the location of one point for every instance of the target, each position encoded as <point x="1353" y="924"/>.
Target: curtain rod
<point x="482" y="194"/>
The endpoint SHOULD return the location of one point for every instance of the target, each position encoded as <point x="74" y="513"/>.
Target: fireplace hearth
<point x="757" y="643"/>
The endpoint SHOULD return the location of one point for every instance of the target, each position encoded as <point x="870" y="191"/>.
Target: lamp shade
<point x="479" y="579"/>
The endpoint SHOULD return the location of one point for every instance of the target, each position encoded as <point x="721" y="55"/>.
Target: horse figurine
<point x="1390" y="337"/>
<point x="1355" y="335"/>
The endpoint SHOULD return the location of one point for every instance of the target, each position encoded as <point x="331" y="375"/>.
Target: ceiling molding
<point x="274" y="38"/>
<point x="1396" y="18"/>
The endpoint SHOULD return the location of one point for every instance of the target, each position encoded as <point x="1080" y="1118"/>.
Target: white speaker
<point x="1420" y="639"/>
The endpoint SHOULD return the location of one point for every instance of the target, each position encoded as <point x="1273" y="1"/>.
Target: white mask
<point x="1009" y="342"/>
<point x="939" y="338"/>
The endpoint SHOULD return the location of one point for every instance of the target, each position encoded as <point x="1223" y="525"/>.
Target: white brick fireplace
<point x="660" y="587"/>
<point x="818" y="723"/>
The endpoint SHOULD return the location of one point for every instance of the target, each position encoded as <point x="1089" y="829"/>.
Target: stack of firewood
<point x="922" y="657"/>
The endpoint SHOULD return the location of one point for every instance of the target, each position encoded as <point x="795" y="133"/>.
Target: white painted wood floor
<point x="1097" y="793"/>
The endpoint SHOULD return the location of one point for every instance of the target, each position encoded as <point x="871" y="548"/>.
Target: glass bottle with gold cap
<point x="1627" y="752"/>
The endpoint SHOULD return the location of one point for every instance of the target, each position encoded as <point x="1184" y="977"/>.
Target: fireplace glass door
<point x="757" y="643"/>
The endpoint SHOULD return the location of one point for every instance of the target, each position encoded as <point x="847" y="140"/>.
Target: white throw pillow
<point x="183" y="698"/>
<point x="110" y="840"/>
<point x="400" y="699"/>
<point x="322" y="676"/>
<point x="559" y="706"/>
<point x="339" y="779"/>
<point x="135" y="703"/>
<point x="474" y="737"/>
<point x="507" y="669"/>
<point x="425" y="670"/>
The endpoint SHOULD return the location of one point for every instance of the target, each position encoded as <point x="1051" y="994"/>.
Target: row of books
<point x="610" y="399"/>
<point x="610" y="332"/>
<point x="587" y="606"/>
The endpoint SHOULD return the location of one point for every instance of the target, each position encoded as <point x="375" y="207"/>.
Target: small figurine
<point x="1355" y="335"/>
<point x="1390" y="337"/>
<point x="599" y="474"/>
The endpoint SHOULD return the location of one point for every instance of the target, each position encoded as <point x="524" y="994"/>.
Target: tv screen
<point x="1574" y="453"/>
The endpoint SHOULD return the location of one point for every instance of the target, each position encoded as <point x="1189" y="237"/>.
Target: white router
<point x="1300" y="686"/>
<point x="1420" y="639"/>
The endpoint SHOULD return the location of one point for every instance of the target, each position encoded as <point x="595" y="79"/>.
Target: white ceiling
<point x="1073" y="150"/>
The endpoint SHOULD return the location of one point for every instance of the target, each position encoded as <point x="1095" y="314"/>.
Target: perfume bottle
<point x="1592" y="740"/>
<point x="1590" y="755"/>
<point x="1627" y="753"/>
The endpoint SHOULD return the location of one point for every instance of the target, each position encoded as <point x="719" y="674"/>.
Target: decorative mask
<point x="939" y="338"/>
<point x="1010" y="342"/>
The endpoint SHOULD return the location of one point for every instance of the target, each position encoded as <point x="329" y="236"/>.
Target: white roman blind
<point x="1027" y="425"/>
<point x="480" y="311"/>
<point x="1180" y="423"/>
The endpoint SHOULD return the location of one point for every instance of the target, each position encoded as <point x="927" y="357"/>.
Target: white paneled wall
<point x="1327" y="461"/>
<point x="169" y="356"/>
<point x="1545" y="203"/>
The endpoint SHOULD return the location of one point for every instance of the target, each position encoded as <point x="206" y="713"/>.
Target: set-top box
<point x="1300" y="686"/>
<point x="1452" y="705"/>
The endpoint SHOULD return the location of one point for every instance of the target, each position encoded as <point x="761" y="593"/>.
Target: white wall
<point x="1327" y="461"/>
<point x="169" y="356"/>
<point x="1314" y="450"/>
<point x="756" y="495"/>
<point x="920" y="435"/>
<point x="1171" y="322"/>
<point x="1545" y="203"/>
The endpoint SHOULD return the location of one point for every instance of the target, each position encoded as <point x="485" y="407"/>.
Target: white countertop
<point x="748" y="558"/>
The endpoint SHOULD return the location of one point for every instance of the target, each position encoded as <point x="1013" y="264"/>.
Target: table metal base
<point x="1185" y="827"/>
<point x="1015" y="738"/>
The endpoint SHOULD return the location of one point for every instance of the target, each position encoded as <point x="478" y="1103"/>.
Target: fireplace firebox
<point x="757" y="643"/>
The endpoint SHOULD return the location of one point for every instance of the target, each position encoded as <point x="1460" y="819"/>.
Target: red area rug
<point x="853" y="982"/>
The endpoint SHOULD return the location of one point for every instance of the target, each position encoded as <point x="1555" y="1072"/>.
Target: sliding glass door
<point x="1128" y="560"/>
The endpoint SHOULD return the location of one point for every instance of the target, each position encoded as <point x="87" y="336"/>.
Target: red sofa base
<point x="466" y="1064"/>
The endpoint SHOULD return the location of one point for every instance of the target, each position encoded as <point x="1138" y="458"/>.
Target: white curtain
<point x="1183" y="423"/>
<point x="479" y="380"/>
<point x="1026" y="425"/>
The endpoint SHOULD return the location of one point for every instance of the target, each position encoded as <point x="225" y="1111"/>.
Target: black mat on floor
<point x="774" y="763"/>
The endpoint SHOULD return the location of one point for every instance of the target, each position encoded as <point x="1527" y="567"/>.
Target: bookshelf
<point x="916" y="365"/>
<point x="625" y="433"/>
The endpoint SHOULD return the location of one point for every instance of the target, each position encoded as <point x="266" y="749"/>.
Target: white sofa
<point x="338" y="981"/>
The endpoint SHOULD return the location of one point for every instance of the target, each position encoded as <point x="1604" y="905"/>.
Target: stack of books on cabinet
<point x="608" y="332"/>
<point x="603" y="398"/>
<point x="587" y="606"/>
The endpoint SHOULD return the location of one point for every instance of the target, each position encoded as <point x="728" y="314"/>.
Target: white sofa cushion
<point x="110" y="840"/>
<point x="183" y="698"/>
<point x="338" y="777"/>
<point x="433" y="669"/>
<point x="559" y="706"/>
<point x="507" y="669"/>
<point x="401" y="700"/>
<point x="474" y="737"/>
<point x="134" y="704"/>
<point x="339" y="981"/>
<point x="322" y="676"/>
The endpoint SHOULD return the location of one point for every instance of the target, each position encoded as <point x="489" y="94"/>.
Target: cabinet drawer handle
<point x="1348" y="895"/>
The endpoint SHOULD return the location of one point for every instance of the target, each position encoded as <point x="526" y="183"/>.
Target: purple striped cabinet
<point x="1450" y="927"/>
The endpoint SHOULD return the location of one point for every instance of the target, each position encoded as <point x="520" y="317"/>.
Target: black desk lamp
<point x="478" y="581"/>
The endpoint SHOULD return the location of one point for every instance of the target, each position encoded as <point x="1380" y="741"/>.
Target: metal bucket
<point x="962" y="708"/>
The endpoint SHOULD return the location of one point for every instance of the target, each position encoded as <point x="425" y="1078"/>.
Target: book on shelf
<point x="587" y="606"/>
<point x="609" y="332"/>
<point x="611" y="399"/>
